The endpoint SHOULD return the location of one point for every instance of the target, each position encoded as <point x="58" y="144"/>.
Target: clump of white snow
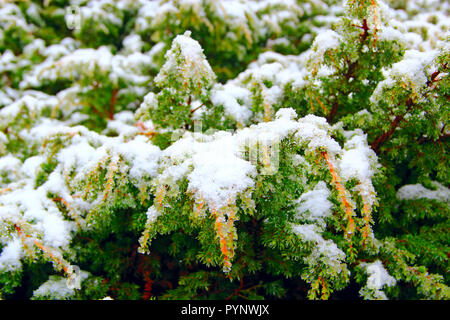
<point x="193" y="67"/>
<point x="314" y="204"/>
<point x="58" y="288"/>
<point x="378" y="278"/>
<point x="418" y="191"/>
<point x="11" y="255"/>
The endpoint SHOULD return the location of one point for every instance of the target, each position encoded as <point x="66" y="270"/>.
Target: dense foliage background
<point x="206" y="149"/>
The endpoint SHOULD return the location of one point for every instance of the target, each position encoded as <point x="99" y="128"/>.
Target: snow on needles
<point x="194" y="66"/>
<point x="418" y="191"/>
<point x="57" y="287"/>
<point x="218" y="175"/>
<point x="412" y="70"/>
<point x="378" y="278"/>
<point x="37" y="212"/>
<point x="85" y="61"/>
<point x="359" y="161"/>
<point x="314" y="204"/>
<point x="11" y="255"/>
<point x="323" y="250"/>
<point x="322" y="43"/>
<point x="228" y="95"/>
<point x="215" y="166"/>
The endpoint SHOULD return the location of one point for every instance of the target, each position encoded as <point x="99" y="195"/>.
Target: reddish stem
<point x="112" y="103"/>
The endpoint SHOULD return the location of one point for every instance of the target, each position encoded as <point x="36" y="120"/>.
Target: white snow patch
<point x="418" y="191"/>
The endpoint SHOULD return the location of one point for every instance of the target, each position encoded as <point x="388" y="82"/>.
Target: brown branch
<point x="399" y="118"/>
<point x="112" y="103"/>
<point x="376" y="144"/>
<point x="333" y="111"/>
<point x="237" y="290"/>
<point x="441" y="138"/>
<point x="336" y="181"/>
<point x="193" y="110"/>
<point x="349" y="74"/>
<point x="365" y="29"/>
<point x="387" y="134"/>
<point x="434" y="75"/>
<point x="94" y="109"/>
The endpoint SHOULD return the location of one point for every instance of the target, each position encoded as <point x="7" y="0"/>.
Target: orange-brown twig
<point x="223" y="230"/>
<point x="160" y="195"/>
<point x="336" y="180"/>
<point x="69" y="208"/>
<point x="321" y="105"/>
<point x="44" y="249"/>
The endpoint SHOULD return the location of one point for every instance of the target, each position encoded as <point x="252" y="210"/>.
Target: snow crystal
<point x="353" y="164"/>
<point x="390" y="34"/>
<point x="152" y="214"/>
<point x="233" y="9"/>
<point x="378" y="276"/>
<point x="143" y="157"/>
<point x="330" y="250"/>
<point x="358" y="159"/>
<point x="267" y="71"/>
<point x="57" y="287"/>
<point x="11" y="15"/>
<point x="315" y="202"/>
<point x="56" y="230"/>
<point x="307" y="232"/>
<point x="130" y="67"/>
<point x="325" y="250"/>
<point x="325" y="71"/>
<point x="7" y="61"/>
<point x="98" y="11"/>
<point x="33" y="204"/>
<point x="314" y="131"/>
<point x="286" y="113"/>
<point x="122" y="128"/>
<point x="33" y="101"/>
<point x="5" y="99"/>
<point x="418" y="191"/>
<point x="218" y="175"/>
<point x="219" y="172"/>
<point x="194" y="64"/>
<point x="413" y="67"/>
<point x="32" y="165"/>
<point x="412" y="70"/>
<point x="56" y="51"/>
<point x="9" y="163"/>
<point x="227" y="96"/>
<point x="36" y="45"/>
<point x="3" y="138"/>
<point x="324" y="41"/>
<point x="76" y="155"/>
<point x="9" y="168"/>
<point x="123" y="124"/>
<point x="11" y="254"/>
<point x="133" y="43"/>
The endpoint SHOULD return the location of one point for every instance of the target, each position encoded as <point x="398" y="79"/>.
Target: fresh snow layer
<point x="418" y="191"/>
<point x="378" y="276"/>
